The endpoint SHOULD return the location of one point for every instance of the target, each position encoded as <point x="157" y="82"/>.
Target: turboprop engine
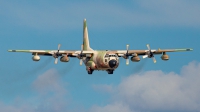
<point x="36" y="58"/>
<point x="135" y="59"/>
<point x="64" y="59"/>
<point x="165" y="57"/>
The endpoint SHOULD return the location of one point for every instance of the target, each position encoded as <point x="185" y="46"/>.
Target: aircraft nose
<point x="112" y="63"/>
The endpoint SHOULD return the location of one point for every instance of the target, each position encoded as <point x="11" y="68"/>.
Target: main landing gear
<point x="90" y="71"/>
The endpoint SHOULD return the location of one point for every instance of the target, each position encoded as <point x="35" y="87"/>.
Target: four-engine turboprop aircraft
<point x="107" y="60"/>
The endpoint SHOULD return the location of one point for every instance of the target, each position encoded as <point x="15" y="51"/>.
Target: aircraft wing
<point x="70" y="53"/>
<point x="144" y="52"/>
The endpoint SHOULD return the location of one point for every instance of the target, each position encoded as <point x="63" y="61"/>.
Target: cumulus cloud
<point x="158" y="91"/>
<point x="52" y="94"/>
<point x="49" y="81"/>
<point x="116" y="107"/>
<point x="148" y="91"/>
<point x="49" y="95"/>
<point x="15" y="108"/>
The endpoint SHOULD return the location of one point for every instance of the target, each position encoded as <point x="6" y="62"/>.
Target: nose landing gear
<point x="110" y="71"/>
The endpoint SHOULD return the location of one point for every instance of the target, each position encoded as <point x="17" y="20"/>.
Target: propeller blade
<point x="81" y="54"/>
<point x="148" y="46"/>
<point x="56" y="61"/>
<point x="127" y="61"/>
<point x="81" y="47"/>
<point x="154" y="59"/>
<point x="59" y="46"/>
<point x="127" y="55"/>
<point x="127" y="47"/>
<point x="56" y="54"/>
<point x="145" y="56"/>
<point x="81" y="61"/>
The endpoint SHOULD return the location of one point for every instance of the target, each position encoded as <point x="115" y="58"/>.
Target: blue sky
<point x="42" y="86"/>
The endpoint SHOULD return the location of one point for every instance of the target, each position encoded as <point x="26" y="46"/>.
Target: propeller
<point x="56" y="55"/>
<point x="127" y="55"/>
<point x="150" y="54"/>
<point x="81" y="55"/>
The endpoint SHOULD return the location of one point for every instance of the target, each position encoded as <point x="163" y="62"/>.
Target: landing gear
<point x="110" y="71"/>
<point x="90" y="71"/>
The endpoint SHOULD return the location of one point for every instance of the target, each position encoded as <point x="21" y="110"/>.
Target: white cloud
<point x="49" y="82"/>
<point x="116" y="107"/>
<point x="148" y="91"/>
<point x="50" y="95"/>
<point x="15" y="108"/>
<point x="159" y="91"/>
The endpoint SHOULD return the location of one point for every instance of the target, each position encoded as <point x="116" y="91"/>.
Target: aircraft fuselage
<point x="102" y="60"/>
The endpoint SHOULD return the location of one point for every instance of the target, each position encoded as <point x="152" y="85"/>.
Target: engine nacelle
<point x="36" y="58"/>
<point x="135" y="59"/>
<point x="165" y="57"/>
<point x="64" y="59"/>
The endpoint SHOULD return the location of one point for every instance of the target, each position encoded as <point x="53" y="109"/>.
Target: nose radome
<point x="112" y="63"/>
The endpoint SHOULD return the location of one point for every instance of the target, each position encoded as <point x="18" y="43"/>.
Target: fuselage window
<point x="106" y="55"/>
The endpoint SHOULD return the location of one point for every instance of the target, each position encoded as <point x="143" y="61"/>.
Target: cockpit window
<point x="110" y="55"/>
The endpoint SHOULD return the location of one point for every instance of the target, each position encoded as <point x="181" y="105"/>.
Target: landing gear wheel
<point x="110" y="71"/>
<point x="90" y="71"/>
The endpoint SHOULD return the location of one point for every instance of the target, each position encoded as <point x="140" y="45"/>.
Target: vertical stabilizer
<point x="86" y="43"/>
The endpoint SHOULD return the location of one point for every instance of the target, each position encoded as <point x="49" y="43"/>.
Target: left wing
<point x="144" y="52"/>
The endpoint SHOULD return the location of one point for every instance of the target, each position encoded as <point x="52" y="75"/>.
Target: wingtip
<point x="11" y="50"/>
<point x="190" y="49"/>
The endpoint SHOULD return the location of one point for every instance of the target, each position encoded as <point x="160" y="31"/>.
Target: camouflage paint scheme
<point x="96" y="59"/>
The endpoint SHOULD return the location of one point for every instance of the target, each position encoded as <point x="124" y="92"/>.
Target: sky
<point x="66" y="87"/>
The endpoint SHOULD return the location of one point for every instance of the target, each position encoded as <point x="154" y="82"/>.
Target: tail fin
<point x="86" y="43"/>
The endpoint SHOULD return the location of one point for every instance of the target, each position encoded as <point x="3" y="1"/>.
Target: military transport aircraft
<point x="107" y="60"/>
